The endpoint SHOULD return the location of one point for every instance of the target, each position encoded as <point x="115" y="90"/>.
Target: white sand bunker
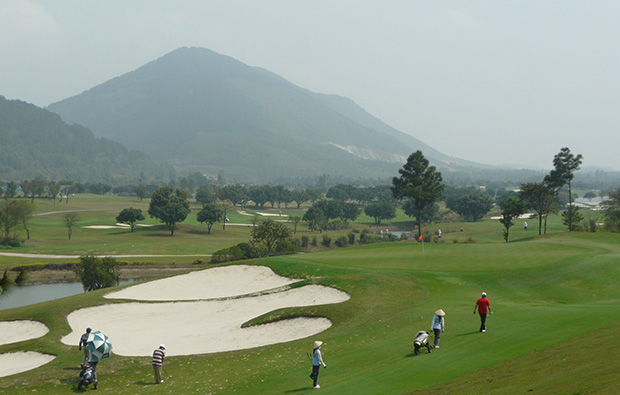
<point x="187" y="328"/>
<point x="218" y="282"/>
<point x="17" y="362"/>
<point x="17" y="331"/>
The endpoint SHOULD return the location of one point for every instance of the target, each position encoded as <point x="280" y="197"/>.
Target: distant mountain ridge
<point x="35" y="142"/>
<point x="207" y="112"/>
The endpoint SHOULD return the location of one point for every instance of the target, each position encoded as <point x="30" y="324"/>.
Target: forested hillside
<point x="35" y="142"/>
<point x="207" y="112"/>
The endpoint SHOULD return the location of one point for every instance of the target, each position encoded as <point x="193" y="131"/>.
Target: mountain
<point x="35" y="142"/>
<point x="207" y="112"/>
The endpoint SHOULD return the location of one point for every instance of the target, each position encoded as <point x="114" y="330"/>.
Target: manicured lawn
<point x="556" y="302"/>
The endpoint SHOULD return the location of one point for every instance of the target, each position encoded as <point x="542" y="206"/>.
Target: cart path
<point x="67" y="211"/>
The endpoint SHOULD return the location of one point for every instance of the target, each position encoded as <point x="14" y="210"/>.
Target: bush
<point x="314" y="242"/>
<point x="305" y="240"/>
<point x="341" y="242"/>
<point x="351" y="238"/>
<point x="337" y="225"/>
<point x="327" y="241"/>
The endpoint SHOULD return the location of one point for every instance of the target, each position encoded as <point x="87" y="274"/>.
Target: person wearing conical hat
<point x="317" y="361"/>
<point x="437" y="326"/>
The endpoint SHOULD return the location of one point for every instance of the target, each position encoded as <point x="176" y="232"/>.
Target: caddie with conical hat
<point x="317" y="361"/>
<point x="437" y="326"/>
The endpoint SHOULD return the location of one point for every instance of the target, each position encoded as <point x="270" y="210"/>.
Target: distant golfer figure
<point x="158" y="362"/>
<point x="317" y="361"/>
<point x="483" y="305"/>
<point x="83" y="341"/>
<point x="525" y="225"/>
<point x="438" y="326"/>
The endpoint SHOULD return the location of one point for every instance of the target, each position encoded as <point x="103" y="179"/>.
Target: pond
<point x="36" y="293"/>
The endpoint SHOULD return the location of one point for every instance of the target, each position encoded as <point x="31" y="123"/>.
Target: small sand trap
<point x="17" y="331"/>
<point x="220" y="282"/>
<point x="187" y="328"/>
<point x="17" y="362"/>
<point x="522" y="216"/>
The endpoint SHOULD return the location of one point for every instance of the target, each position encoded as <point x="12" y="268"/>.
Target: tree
<point x="9" y="218"/>
<point x="170" y="206"/>
<point x="571" y="217"/>
<point x="565" y="163"/>
<point x="205" y="195"/>
<point x="7" y="282"/>
<point x="258" y="194"/>
<point x="96" y="273"/>
<point x="130" y="216"/>
<point x="511" y="208"/>
<point x="540" y="198"/>
<point x="350" y="211"/>
<point x="427" y="215"/>
<point x="209" y="215"/>
<point x="70" y="220"/>
<point x="53" y="188"/>
<point x="11" y="190"/>
<point x="589" y="195"/>
<point x="379" y="211"/>
<point x="270" y="233"/>
<point x="140" y="192"/>
<point x="611" y="211"/>
<point x="419" y="182"/>
<point x="24" y="212"/>
<point x="294" y="219"/>
<point x="300" y="196"/>
<point x="472" y="205"/>
<point x="316" y="218"/>
<point x="237" y="194"/>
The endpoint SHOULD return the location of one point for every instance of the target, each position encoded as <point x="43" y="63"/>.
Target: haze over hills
<point x="207" y="112"/>
<point x="35" y="142"/>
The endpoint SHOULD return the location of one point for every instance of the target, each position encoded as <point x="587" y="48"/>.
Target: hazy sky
<point x="497" y="82"/>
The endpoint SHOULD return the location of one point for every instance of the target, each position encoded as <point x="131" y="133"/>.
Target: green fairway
<point x="556" y="302"/>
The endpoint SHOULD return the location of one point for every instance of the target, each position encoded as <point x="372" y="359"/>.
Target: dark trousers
<point x="315" y="374"/>
<point x="483" y="320"/>
<point x="437" y="333"/>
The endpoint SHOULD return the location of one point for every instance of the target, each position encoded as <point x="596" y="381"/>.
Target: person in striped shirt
<point x="158" y="362"/>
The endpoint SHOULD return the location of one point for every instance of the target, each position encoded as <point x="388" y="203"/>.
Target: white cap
<point x="484" y="294"/>
<point x="162" y="346"/>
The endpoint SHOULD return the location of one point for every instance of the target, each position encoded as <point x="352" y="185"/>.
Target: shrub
<point x="305" y="240"/>
<point x="96" y="273"/>
<point x="337" y="225"/>
<point x="351" y="238"/>
<point x="327" y="241"/>
<point x="341" y="241"/>
<point x="314" y="242"/>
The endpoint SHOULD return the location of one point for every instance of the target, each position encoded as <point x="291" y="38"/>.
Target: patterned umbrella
<point x="99" y="345"/>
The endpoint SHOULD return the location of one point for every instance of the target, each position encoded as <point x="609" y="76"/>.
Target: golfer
<point x="437" y="326"/>
<point x="82" y="343"/>
<point x="158" y="362"/>
<point x="483" y="305"/>
<point x="317" y="361"/>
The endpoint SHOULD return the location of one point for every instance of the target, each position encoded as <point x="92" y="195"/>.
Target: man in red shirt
<point x="483" y="305"/>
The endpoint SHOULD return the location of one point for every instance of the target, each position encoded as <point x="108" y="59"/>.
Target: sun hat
<point x="162" y="346"/>
<point x="440" y="313"/>
<point x="317" y="344"/>
<point x="484" y="294"/>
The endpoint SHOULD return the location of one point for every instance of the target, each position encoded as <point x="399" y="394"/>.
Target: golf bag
<point x="422" y="340"/>
<point x="88" y="376"/>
